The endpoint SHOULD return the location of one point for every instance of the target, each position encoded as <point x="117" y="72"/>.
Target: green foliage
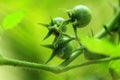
<point x="101" y="46"/>
<point x="12" y="20"/>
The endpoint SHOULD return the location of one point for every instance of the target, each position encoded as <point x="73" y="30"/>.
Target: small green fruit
<point x="58" y="21"/>
<point x="81" y="15"/>
<point x="53" y="26"/>
<point x="64" y="49"/>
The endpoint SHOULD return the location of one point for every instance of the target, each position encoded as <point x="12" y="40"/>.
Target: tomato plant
<point x="69" y="42"/>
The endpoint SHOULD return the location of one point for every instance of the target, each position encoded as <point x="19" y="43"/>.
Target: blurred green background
<point x="23" y="42"/>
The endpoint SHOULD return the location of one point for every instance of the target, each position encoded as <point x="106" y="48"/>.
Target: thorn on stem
<point x="92" y="32"/>
<point x="46" y="25"/>
<point x="48" y="35"/>
<point x="51" y="57"/>
<point x="107" y="30"/>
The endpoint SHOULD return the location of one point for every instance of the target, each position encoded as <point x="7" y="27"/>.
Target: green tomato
<point x="65" y="52"/>
<point x="81" y="16"/>
<point x="58" y="21"/>
<point x="53" y="27"/>
<point x="64" y="49"/>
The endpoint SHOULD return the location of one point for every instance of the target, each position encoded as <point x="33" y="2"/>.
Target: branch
<point x="31" y="65"/>
<point x="90" y="63"/>
<point x="110" y="25"/>
<point x="58" y="69"/>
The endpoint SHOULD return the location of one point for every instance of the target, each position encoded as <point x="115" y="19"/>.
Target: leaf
<point x="12" y="19"/>
<point x="48" y="46"/>
<point x="100" y="46"/>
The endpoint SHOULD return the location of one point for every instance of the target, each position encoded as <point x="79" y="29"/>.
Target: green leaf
<point x="100" y="46"/>
<point x="12" y="20"/>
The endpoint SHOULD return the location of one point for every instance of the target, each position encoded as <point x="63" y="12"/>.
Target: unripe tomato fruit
<point x="81" y="16"/>
<point x="58" y="21"/>
<point x="64" y="49"/>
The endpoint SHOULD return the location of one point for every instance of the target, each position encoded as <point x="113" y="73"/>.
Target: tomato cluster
<point x="79" y="17"/>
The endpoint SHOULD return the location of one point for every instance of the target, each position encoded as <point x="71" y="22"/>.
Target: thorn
<point x="107" y="30"/>
<point x="52" y="22"/>
<point x="51" y="57"/>
<point x="67" y="41"/>
<point x="48" y="35"/>
<point x="48" y="46"/>
<point x="46" y="25"/>
<point x="92" y="32"/>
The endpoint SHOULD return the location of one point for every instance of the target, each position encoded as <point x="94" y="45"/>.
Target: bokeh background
<point x="23" y="41"/>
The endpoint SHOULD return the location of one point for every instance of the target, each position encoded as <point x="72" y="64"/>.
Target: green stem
<point x="60" y="32"/>
<point x="31" y="65"/>
<point x="88" y="63"/>
<point x="58" y="69"/>
<point x="110" y="25"/>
